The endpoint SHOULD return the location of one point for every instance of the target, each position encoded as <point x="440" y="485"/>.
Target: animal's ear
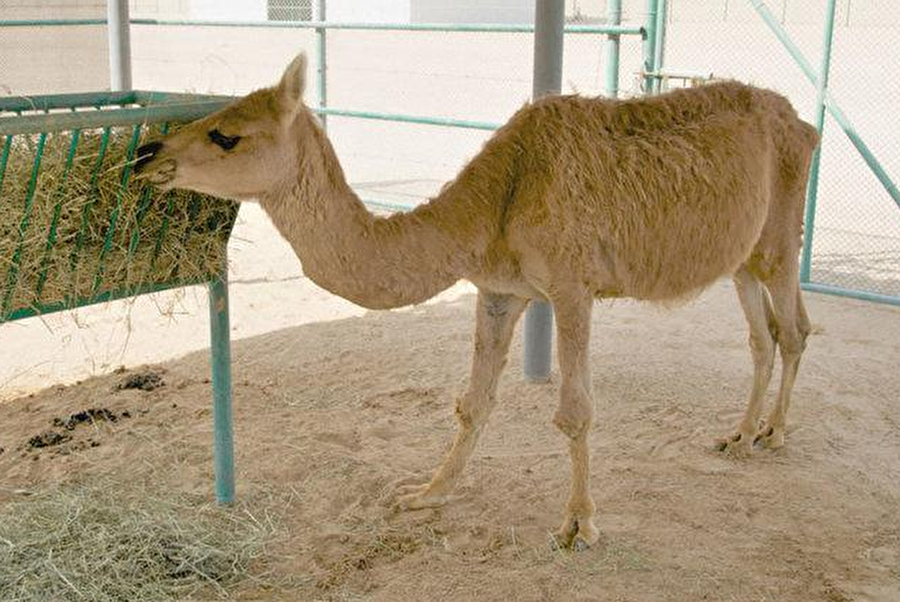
<point x="293" y="82"/>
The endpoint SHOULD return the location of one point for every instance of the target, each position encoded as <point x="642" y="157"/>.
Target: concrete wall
<point x="375" y="11"/>
<point x="41" y="60"/>
<point x="228" y="10"/>
<point x="161" y="9"/>
<point x="472" y="11"/>
<point x="52" y="9"/>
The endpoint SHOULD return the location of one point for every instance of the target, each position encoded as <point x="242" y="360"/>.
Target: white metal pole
<point x="119" y="30"/>
<point x="549" y="20"/>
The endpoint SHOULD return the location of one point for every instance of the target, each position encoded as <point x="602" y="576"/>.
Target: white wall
<point x="229" y="10"/>
<point x="472" y="11"/>
<point x="374" y="11"/>
<point x="160" y="9"/>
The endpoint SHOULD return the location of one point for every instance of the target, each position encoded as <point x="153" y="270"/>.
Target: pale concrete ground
<point x="482" y="77"/>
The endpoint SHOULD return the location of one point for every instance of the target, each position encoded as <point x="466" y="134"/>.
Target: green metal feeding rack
<point x="76" y="229"/>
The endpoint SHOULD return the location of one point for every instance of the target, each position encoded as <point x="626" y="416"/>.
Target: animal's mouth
<point x="160" y="173"/>
<point x="153" y="168"/>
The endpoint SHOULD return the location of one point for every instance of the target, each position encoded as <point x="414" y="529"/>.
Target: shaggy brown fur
<point x="573" y="199"/>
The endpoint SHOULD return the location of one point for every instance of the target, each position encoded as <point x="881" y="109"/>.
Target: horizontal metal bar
<point x="123" y="293"/>
<point x="56" y="122"/>
<point x="187" y="108"/>
<point x="384" y="206"/>
<point x="677" y="74"/>
<point x="46" y="102"/>
<point x="49" y="22"/>
<point x="851" y="293"/>
<point x="445" y="27"/>
<point x="402" y="118"/>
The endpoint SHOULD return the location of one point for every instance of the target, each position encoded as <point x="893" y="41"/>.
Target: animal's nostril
<point x="145" y="154"/>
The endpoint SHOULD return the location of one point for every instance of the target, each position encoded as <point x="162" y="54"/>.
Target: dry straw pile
<point x="106" y="540"/>
<point x="157" y="237"/>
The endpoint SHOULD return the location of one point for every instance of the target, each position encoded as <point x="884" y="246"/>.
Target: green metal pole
<point x="611" y="67"/>
<point x="813" y="188"/>
<point x="659" y="47"/>
<point x="220" y="351"/>
<point x="649" y="44"/>
<point x="323" y="63"/>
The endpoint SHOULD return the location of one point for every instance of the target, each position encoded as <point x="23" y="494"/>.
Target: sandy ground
<point x="337" y="412"/>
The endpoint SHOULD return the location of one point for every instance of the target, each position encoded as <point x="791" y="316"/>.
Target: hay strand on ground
<point x="106" y="540"/>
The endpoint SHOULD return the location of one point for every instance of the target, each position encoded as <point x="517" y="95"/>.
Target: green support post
<point x="649" y="46"/>
<point x="322" y="58"/>
<point x="659" y="46"/>
<point x="611" y="67"/>
<point x="813" y="187"/>
<point x="220" y="352"/>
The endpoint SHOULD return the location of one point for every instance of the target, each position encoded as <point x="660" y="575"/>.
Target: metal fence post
<point x="119" y="32"/>
<point x="649" y="44"/>
<point x="659" y="47"/>
<point x="611" y="67"/>
<point x="549" y="20"/>
<point x="323" y="62"/>
<point x="220" y="352"/>
<point x="813" y="186"/>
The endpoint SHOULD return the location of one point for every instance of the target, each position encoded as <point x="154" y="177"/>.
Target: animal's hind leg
<point x="495" y="323"/>
<point x="761" y="320"/>
<point x="793" y="329"/>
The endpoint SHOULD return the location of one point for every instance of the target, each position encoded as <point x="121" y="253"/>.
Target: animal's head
<point x="239" y="152"/>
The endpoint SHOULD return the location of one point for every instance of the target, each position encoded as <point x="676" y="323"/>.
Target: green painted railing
<point x="437" y="27"/>
<point x="824" y="102"/>
<point x="25" y="119"/>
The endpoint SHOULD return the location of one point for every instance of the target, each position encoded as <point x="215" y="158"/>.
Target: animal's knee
<point x="575" y="414"/>
<point x="472" y="410"/>
<point x="762" y="346"/>
<point x="792" y="343"/>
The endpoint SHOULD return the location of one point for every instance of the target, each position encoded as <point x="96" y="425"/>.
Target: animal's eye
<point x="226" y="142"/>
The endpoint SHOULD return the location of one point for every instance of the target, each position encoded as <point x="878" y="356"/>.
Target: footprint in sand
<point x="348" y="439"/>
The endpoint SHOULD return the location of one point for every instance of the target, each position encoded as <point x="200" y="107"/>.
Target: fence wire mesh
<point x="487" y="76"/>
<point x="856" y="241"/>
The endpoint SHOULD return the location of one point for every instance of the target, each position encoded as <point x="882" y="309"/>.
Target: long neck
<point x="376" y="262"/>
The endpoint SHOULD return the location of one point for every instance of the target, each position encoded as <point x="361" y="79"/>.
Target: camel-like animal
<point x="574" y="199"/>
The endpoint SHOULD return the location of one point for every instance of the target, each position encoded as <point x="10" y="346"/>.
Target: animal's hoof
<point x="770" y="437"/>
<point x="737" y="445"/>
<point x="417" y="497"/>
<point x="577" y="533"/>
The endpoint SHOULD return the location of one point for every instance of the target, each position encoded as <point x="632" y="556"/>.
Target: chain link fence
<point x="486" y="76"/>
<point x="856" y="240"/>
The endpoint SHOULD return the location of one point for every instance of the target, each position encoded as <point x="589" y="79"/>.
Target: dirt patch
<point x="48" y="439"/>
<point x="64" y="441"/>
<point x="92" y="416"/>
<point x="335" y="415"/>
<point x="148" y="380"/>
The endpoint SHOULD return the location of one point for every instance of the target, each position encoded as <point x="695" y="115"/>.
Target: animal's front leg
<point x="574" y="416"/>
<point x="495" y="323"/>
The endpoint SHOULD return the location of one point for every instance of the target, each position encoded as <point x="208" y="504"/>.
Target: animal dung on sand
<point x="76" y="227"/>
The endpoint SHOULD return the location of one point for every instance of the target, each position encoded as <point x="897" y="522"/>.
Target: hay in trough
<point x="86" y="233"/>
<point x="108" y="540"/>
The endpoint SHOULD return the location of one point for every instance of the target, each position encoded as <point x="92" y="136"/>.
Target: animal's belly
<point x="506" y="286"/>
<point x="690" y="251"/>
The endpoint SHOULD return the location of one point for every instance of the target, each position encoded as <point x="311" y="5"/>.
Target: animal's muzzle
<point x="146" y="154"/>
